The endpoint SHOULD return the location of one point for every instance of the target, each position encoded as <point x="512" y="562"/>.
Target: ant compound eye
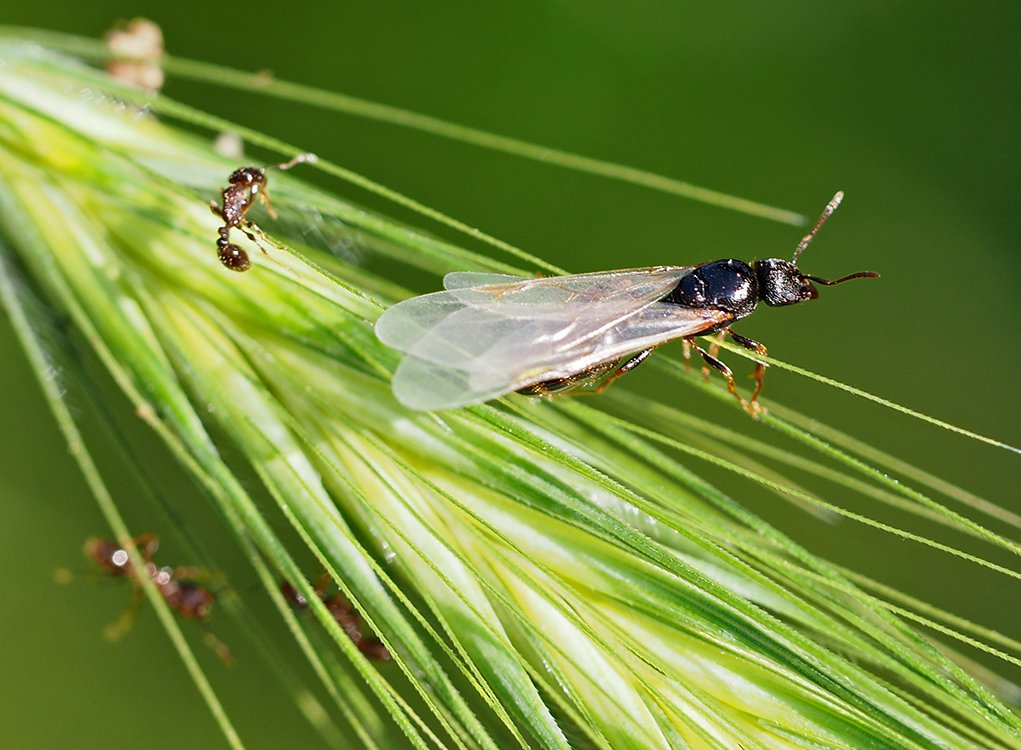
<point x="234" y="258"/>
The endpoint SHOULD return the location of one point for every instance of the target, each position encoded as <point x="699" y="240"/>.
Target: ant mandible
<point x="245" y="185"/>
<point x="343" y="613"/>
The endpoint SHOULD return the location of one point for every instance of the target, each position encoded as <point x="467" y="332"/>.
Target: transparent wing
<point x="475" y="342"/>
<point x="510" y="363"/>
<point x="557" y="296"/>
<point x="563" y="298"/>
<point x="462" y="279"/>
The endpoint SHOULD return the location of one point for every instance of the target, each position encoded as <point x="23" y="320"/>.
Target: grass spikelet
<point x="542" y="574"/>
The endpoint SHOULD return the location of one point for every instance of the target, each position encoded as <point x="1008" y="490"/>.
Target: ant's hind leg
<point x="256" y="235"/>
<point x="760" y="367"/>
<point x="625" y="368"/>
<point x="752" y="408"/>
<point x="322" y="584"/>
<point x="578" y="385"/>
<point x="221" y="649"/>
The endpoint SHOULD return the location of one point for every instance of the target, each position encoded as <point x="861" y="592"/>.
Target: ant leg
<point x="65" y="577"/>
<point x="323" y="584"/>
<point x="221" y="649"/>
<point x="195" y="574"/>
<point x="147" y="544"/>
<point x="760" y="367"/>
<point x="753" y="408"/>
<point x="687" y="354"/>
<point x="263" y="193"/>
<point x="625" y="368"/>
<point x="714" y="350"/>
<point x="299" y="159"/>
<point x="119" y="627"/>
<point x="257" y="236"/>
<point x="215" y="208"/>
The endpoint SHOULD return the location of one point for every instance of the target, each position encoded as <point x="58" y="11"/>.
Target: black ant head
<point x="782" y="283"/>
<point x="233" y="257"/>
<point x="247" y="176"/>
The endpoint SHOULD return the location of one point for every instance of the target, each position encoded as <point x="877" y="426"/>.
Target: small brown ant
<point x="343" y="613"/>
<point x="179" y="586"/>
<point x="246" y="184"/>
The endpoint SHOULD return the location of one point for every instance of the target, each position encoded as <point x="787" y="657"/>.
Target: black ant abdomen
<point x="232" y="256"/>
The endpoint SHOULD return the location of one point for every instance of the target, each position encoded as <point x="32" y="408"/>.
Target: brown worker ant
<point x="179" y="586"/>
<point x="343" y="613"/>
<point x="245" y="186"/>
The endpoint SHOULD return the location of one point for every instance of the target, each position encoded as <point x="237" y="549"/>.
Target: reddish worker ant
<point x="179" y="586"/>
<point x="343" y="613"/>
<point x="246" y="184"/>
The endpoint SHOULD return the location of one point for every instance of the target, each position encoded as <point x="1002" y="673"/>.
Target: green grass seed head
<point x="543" y="575"/>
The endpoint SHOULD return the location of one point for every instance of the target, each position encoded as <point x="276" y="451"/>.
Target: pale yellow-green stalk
<point x="543" y="574"/>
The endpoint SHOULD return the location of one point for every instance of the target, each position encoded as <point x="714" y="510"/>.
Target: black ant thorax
<point x="245" y="186"/>
<point x="729" y="285"/>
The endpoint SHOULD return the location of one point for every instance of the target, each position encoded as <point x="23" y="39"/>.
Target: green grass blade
<point x="297" y="93"/>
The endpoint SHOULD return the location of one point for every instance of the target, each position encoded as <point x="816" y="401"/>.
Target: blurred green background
<point x="912" y="108"/>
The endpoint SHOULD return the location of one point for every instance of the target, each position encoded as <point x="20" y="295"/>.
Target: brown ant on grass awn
<point x="245" y="186"/>
<point x="179" y="586"/>
<point x="343" y="613"/>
